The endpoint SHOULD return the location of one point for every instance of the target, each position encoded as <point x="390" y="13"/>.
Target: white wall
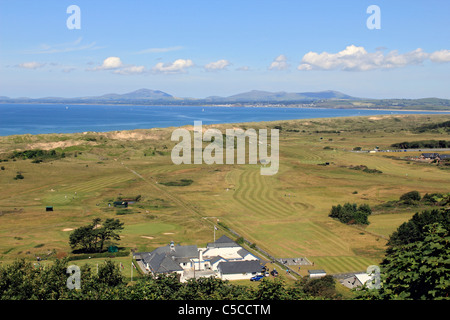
<point x="238" y="276"/>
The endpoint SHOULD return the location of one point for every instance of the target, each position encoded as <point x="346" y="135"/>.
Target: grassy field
<point x="285" y="214"/>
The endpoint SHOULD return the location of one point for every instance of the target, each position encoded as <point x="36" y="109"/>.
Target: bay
<point x="16" y="119"/>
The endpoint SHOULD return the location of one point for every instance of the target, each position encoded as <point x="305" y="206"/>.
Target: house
<point x="429" y="156"/>
<point x="228" y="250"/>
<point x="168" y="259"/>
<point x="317" y="273"/>
<point x="444" y="157"/>
<point x="120" y="204"/>
<point x="223" y="258"/>
<point x="237" y="270"/>
<point x="355" y="281"/>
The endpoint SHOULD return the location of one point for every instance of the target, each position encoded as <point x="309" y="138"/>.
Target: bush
<point x="19" y="176"/>
<point x="410" y="197"/>
<point x="180" y="183"/>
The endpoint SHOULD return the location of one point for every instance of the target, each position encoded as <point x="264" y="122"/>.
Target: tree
<point x="322" y="287"/>
<point x="108" y="231"/>
<point x="91" y="238"/>
<point x="413" y="230"/>
<point x="419" y="270"/>
<point x="271" y="290"/>
<point x="410" y="197"/>
<point x="350" y="213"/>
<point x="83" y="238"/>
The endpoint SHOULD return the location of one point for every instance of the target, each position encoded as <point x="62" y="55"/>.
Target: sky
<point x="207" y="48"/>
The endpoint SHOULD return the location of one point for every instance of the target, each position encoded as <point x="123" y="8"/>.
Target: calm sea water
<point x="50" y="118"/>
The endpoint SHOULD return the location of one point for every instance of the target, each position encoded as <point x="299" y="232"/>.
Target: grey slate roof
<point x="239" y="267"/>
<point x="222" y="242"/>
<point x="166" y="260"/>
<point x="316" y="271"/>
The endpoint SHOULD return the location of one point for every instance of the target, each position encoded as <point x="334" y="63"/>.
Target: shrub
<point x="410" y="197"/>
<point x="19" y="176"/>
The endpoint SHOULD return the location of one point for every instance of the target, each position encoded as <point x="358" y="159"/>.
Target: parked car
<point x="256" y="278"/>
<point x="274" y="273"/>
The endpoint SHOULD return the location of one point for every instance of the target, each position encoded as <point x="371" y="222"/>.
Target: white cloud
<point x="218" y="65"/>
<point x="130" y="70"/>
<point x="64" y="47"/>
<point x="31" y="65"/>
<point x="440" y="56"/>
<point x="160" y="50"/>
<point x="243" y="68"/>
<point x="280" y="63"/>
<point x="116" y="65"/>
<point x="354" y="58"/>
<point x="178" y="66"/>
<point x="110" y="63"/>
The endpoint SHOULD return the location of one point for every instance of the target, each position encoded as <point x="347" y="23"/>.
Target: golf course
<point x="285" y="215"/>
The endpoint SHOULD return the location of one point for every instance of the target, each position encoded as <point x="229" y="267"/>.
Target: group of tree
<point x="92" y="237"/>
<point x="351" y="213"/>
<point x="21" y="280"/>
<point x="445" y="126"/>
<point x="425" y="144"/>
<point x="37" y="155"/>
<point x="417" y="261"/>
<point x="414" y="198"/>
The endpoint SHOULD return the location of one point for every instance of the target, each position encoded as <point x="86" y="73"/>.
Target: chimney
<point x="200" y="260"/>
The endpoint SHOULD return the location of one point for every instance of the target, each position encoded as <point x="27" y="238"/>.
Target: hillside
<point x="322" y="99"/>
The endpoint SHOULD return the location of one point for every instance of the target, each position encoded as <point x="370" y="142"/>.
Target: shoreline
<point x="221" y="106"/>
<point x="220" y="123"/>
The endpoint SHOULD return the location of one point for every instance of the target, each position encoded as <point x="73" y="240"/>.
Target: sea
<point x="18" y="119"/>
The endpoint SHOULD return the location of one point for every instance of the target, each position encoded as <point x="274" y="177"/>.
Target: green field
<point x="285" y="214"/>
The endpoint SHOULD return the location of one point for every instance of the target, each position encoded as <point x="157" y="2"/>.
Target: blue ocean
<point x="18" y="119"/>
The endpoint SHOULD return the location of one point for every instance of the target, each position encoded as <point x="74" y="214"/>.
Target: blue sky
<point x="203" y="48"/>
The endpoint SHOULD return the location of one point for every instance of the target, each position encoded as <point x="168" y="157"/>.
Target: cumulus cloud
<point x="354" y="58"/>
<point x="178" y="66"/>
<point x="110" y="63"/>
<point x="116" y="65"/>
<point x="218" y="65"/>
<point x="440" y="56"/>
<point x="280" y="63"/>
<point x="31" y="65"/>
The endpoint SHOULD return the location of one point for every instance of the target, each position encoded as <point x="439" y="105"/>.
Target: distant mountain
<point x="266" y="96"/>
<point x="141" y="94"/>
<point x="323" y="99"/>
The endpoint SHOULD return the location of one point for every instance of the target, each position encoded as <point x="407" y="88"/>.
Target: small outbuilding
<point x="49" y="208"/>
<point x="317" y="273"/>
<point x="120" y="204"/>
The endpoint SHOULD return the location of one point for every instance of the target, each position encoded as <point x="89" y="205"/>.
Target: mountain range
<point x="251" y="96"/>
<point x="329" y="98"/>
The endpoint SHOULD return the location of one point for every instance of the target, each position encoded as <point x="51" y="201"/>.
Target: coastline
<point x="238" y="105"/>
<point x="234" y="123"/>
